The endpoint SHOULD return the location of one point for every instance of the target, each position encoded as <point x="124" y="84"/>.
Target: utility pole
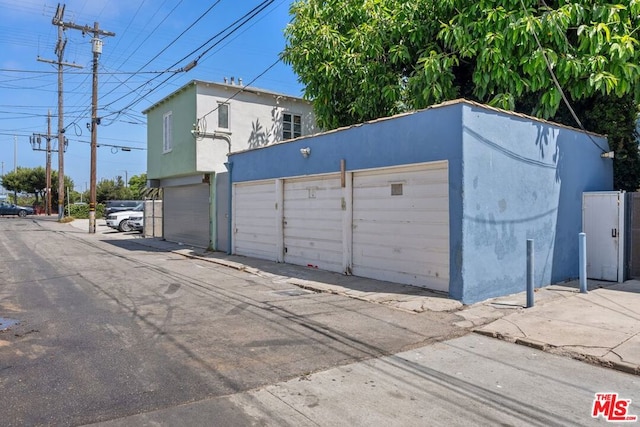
<point x="60" y="45"/>
<point x="36" y="145"/>
<point x="96" y="48"/>
<point x="48" y="166"/>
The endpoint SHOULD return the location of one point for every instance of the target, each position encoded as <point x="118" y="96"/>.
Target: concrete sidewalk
<point x="601" y="327"/>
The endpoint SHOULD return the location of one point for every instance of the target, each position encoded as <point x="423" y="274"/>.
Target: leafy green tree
<point x="14" y="182"/>
<point x="356" y="58"/>
<point x="68" y="184"/>
<point x="26" y="180"/>
<point x="364" y="59"/>
<point x="112" y="189"/>
<point x="137" y="185"/>
<point x="35" y="182"/>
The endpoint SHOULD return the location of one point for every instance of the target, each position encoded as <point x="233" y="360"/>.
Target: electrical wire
<point x="239" y="23"/>
<point x="170" y="44"/>
<point x="203" y="119"/>
<point x="557" y="83"/>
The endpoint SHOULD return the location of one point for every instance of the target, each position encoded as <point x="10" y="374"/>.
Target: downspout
<point x="213" y="208"/>
<point x="213" y="179"/>
<point x="229" y="166"/>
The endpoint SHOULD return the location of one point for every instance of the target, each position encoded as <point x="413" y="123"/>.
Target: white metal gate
<point x="186" y="214"/>
<point x="401" y="225"/>
<point x="603" y="223"/>
<point x="313" y="222"/>
<point x="254" y="220"/>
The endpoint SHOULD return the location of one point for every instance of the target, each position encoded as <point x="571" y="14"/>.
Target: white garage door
<point x="186" y="214"/>
<point x="313" y="222"/>
<point x="401" y="225"/>
<point x="254" y="219"/>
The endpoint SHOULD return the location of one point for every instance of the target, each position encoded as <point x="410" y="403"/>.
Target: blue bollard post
<point x="530" y="265"/>
<point x="582" y="248"/>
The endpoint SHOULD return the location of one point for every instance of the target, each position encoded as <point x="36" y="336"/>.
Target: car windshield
<point x="140" y="207"/>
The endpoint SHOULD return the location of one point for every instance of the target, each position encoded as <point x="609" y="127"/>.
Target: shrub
<point x="81" y="211"/>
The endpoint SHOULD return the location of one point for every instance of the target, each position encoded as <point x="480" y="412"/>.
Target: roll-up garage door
<point x="186" y="214"/>
<point x="254" y="219"/>
<point x="313" y="222"/>
<point x="401" y="225"/>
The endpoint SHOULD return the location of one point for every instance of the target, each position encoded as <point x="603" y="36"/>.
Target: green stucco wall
<point x="181" y="160"/>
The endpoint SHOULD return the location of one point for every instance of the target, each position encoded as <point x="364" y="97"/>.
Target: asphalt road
<point x="109" y="329"/>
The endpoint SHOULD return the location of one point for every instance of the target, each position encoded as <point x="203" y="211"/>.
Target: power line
<point x="172" y="42"/>
<point x="239" y="23"/>
<point x="84" y="73"/>
<point x="204" y="117"/>
<point x="557" y="83"/>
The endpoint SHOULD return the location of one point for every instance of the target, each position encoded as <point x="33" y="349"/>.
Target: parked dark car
<point x="7" y="208"/>
<point x="112" y="206"/>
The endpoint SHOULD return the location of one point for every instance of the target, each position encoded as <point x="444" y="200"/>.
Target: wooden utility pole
<point x="48" y="171"/>
<point x="96" y="48"/>
<point x="36" y="145"/>
<point x="60" y="45"/>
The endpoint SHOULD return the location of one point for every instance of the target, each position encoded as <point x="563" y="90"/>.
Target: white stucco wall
<point x="255" y="119"/>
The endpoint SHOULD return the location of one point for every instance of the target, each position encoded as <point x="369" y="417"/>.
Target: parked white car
<point x="137" y="222"/>
<point x="120" y="220"/>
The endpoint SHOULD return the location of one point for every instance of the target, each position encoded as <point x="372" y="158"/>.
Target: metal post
<point x="530" y="267"/>
<point x="582" y="243"/>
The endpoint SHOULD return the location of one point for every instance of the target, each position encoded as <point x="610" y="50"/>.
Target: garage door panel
<point x="304" y="252"/>
<point x="370" y="232"/>
<point x="302" y="216"/>
<point x="401" y="225"/>
<point x="255" y="231"/>
<point x="405" y="269"/>
<point x="389" y="216"/>
<point x="417" y="243"/>
<point x="319" y="234"/>
<point x="422" y="203"/>
<point x="254" y="219"/>
<point x="313" y="222"/>
<point x="373" y="256"/>
<point x="256" y="249"/>
<point x="186" y="214"/>
<point x="431" y="282"/>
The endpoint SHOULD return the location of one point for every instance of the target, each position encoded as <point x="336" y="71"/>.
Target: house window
<point x="167" y="132"/>
<point x="291" y="126"/>
<point x="223" y="116"/>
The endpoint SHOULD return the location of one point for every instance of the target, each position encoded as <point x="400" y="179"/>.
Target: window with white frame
<point x="167" y="132"/>
<point x="291" y="126"/>
<point x="223" y="115"/>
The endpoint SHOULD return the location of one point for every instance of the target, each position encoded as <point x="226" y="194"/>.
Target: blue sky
<point x="148" y="41"/>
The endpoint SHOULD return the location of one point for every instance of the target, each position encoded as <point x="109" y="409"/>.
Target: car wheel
<point x="124" y="226"/>
<point x="22" y="214"/>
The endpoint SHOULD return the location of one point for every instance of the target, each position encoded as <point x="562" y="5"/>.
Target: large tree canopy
<point x="364" y="59"/>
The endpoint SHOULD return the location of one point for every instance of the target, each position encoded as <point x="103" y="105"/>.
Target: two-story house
<point x="189" y="135"/>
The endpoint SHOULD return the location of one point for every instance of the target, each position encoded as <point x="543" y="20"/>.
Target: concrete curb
<point x="409" y="305"/>
<point x="628" y="368"/>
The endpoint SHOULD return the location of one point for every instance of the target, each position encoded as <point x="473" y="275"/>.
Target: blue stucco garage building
<point x="443" y="198"/>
